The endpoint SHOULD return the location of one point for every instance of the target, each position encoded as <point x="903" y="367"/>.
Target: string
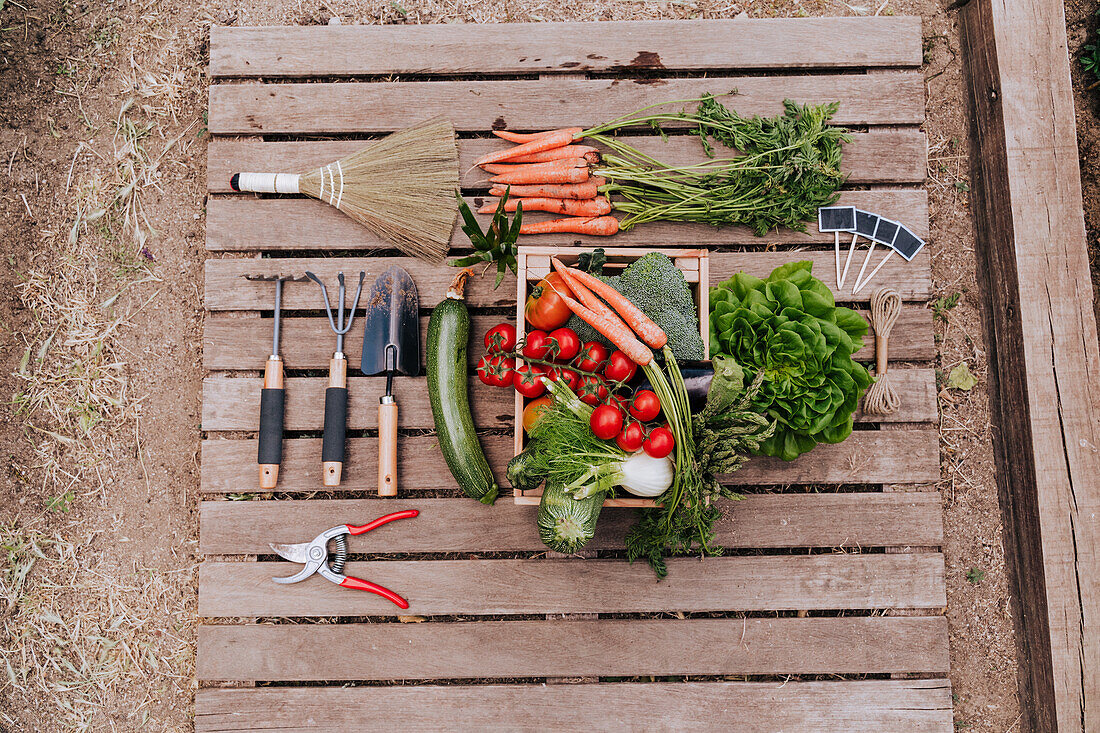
<point x="882" y="398"/>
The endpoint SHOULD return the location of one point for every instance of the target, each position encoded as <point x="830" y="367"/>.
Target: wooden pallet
<point x="826" y="613"/>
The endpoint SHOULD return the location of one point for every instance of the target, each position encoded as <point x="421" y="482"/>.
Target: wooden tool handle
<point x="387" y="448"/>
<point x="336" y="422"/>
<point x="272" y="399"/>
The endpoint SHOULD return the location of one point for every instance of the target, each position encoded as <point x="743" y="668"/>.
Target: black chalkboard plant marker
<point x="336" y="394"/>
<point x="866" y="223"/>
<point x="836" y="219"/>
<point x="905" y="243"/>
<point x="885" y="231"/>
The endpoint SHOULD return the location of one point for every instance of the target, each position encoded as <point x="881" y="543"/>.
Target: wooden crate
<point x="534" y="264"/>
<point x="828" y="607"/>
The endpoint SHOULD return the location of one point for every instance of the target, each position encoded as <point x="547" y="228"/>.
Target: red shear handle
<point x="366" y="585"/>
<point x="407" y="514"/>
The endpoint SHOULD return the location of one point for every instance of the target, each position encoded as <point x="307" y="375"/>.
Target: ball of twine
<point x="881" y="398"/>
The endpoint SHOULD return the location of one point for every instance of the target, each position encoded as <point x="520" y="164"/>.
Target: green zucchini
<point x="448" y="385"/>
<point x="524" y="473"/>
<point x="567" y="524"/>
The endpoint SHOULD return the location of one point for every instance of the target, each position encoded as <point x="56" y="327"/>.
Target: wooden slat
<point x="297" y="224"/>
<point x="605" y="647"/>
<point x="889" y="98"/>
<point x="1044" y="360"/>
<point x="525" y="48"/>
<point x="866" y="457"/>
<point x="307" y="343"/>
<point x="893" y="156"/>
<point x="231" y="403"/>
<point x="227" y="288"/>
<point x="488" y="587"/>
<point x="914" y="706"/>
<point x="461" y="525"/>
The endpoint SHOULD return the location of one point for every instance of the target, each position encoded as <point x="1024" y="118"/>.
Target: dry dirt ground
<point x="102" y="148"/>
<point x="1082" y="26"/>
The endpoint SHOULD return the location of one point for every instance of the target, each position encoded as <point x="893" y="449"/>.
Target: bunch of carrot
<point x="547" y="171"/>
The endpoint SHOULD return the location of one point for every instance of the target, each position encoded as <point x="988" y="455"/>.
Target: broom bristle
<point x="401" y="187"/>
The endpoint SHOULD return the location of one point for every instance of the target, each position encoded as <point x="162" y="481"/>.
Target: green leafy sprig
<point x="497" y="243"/>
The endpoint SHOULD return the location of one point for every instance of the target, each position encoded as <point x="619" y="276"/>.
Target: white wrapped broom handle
<point x="265" y="182"/>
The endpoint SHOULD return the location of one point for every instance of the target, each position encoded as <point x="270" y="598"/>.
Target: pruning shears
<point x="314" y="555"/>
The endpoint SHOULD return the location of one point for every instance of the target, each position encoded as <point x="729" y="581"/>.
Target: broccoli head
<point x="656" y="285"/>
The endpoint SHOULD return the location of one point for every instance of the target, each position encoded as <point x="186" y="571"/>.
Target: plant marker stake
<point x="847" y="262"/>
<point x="886" y="232"/>
<point x="865" y="225"/>
<point x="836" y="219"/>
<point x="861" y="284"/>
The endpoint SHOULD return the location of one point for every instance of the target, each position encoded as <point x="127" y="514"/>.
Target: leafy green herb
<point x="592" y="262"/>
<point x="975" y="575"/>
<point x="940" y="306"/>
<point x="789" y="328"/>
<point x="788" y="166"/>
<point x="496" y="244"/>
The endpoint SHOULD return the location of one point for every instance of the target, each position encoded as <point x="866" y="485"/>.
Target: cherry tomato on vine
<point x="495" y="370"/>
<point x="659" y="443"/>
<point x="528" y="380"/>
<point x="536" y="345"/>
<point x="532" y="412"/>
<point x="592" y="392"/>
<point x="645" y="406"/>
<point x="631" y="438"/>
<point x="501" y="337"/>
<point x="544" y="308"/>
<point x="606" y="422"/>
<point x="568" y="377"/>
<point x="593" y="355"/>
<point x="566" y="344"/>
<point x="619" y="367"/>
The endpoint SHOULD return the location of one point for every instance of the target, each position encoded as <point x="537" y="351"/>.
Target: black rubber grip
<point x="271" y="426"/>
<point x="336" y="424"/>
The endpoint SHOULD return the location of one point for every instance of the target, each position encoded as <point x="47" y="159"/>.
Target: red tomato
<point x="631" y="438"/>
<point x="536" y="345"/>
<point x="569" y="377"/>
<point x="645" y="406"/>
<point x="619" y="367"/>
<point x="501" y="337"/>
<point x="659" y="443"/>
<point x="544" y="308"/>
<point x="531" y="413"/>
<point x="593" y="355"/>
<point x="495" y="370"/>
<point x="528" y="381"/>
<point x="592" y="392"/>
<point x="566" y="344"/>
<point x="606" y="422"/>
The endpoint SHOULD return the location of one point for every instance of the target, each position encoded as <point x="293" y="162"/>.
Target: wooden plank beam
<point x="866" y="457"/>
<point x="852" y="520"/>
<point x="888" y="98"/>
<point x="1044" y="360"/>
<point x="230" y="344"/>
<point x="914" y="706"/>
<point x="491" y="587"/>
<point x="227" y="288"/>
<point x="547" y="48"/>
<point x="267" y="225"/>
<point x="572" y="647"/>
<point x="878" y="157"/>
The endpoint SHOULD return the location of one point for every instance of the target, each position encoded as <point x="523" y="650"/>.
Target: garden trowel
<point x="391" y="345"/>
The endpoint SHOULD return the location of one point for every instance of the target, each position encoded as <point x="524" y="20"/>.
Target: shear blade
<point x="295" y="553"/>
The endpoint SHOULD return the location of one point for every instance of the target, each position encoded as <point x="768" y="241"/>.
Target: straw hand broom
<point x="400" y="187"/>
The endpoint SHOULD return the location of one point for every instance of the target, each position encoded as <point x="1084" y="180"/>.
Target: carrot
<point x="612" y="329"/>
<point x="587" y="190"/>
<point x="569" y="151"/>
<point x="555" y="139"/>
<point x="601" y="226"/>
<point x="584" y="295"/>
<point x="526" y="137"/>
<point x="642" y="324"/>
<point x="569" y="207"/>
<point x="567" y="170"/>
